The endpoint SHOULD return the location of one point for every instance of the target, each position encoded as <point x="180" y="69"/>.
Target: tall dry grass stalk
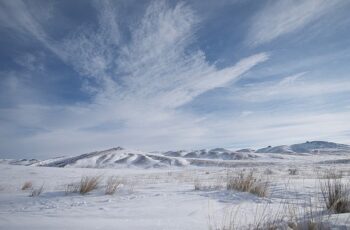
<point x="88" y="183"/>
<point x="332" y="174"/>
<point x="336" y="195"/>
<point x="247" y="182"/>
<point x="266" y="218"/>
<point x="112" y="185"/>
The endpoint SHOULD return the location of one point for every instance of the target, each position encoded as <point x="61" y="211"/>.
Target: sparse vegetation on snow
<point x="27" y="185"/>
<point x="248" y="182"/>
<point x="112" y="185"/>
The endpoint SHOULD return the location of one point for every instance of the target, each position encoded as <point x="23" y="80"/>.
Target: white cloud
<point x="26" y="18"/>
<point x="291" y="87"/>
<point x="157" y="57"/>
<point x="138" y="85"/>
<point x="279" y="18"/>
<point x="268" y="128"/>
<point x="31" y="61"/>
<point x="155" y="67"/>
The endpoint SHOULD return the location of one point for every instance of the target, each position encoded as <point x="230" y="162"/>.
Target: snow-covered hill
<point x="276" y="149"/>
<point x="175" y="198"/>
<point x="247" y="150"/>
<point x="308" y="147"/>
<point x="217" y="153"/>
<point x="120" y="158"/>
<point x="115" y="158"/>
<point x="18" y="162"/>
<point x="127" y="158"/>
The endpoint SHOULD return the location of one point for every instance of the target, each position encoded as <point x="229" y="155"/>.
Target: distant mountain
<point x="307" y="147"/>
<point x="217" y="153"/>
<point x="126" y="158"/>
<point x="121" y="158"/>
<point x="19" y="162"/>
<point x="276" y="149"/>
<point x="248" y="150"/>
<point x="115" y="158"/>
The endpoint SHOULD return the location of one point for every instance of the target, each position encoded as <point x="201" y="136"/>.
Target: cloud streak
<point x="145" y="80"/>
<point x="137" y="85"/>
<point x="279" y="18"/>
<point x="291" y="87"/>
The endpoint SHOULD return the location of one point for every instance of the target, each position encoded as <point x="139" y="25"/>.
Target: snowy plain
<point x="173" y="197"/>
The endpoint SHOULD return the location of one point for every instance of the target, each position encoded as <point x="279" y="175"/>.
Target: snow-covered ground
<point x="166" y="198"/>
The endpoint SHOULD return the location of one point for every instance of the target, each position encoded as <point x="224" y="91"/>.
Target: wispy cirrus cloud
<point x="157" y="55"/>
<point x="141" y="77"/>
<point x="269" y="128"/>
<point x="137" y="85"/>
<point x="155" y="67"/>
<point x="279" y="18"/>
<point x="290" y="87"/>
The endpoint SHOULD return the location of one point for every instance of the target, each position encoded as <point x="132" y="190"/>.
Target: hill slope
<point x="308" y="147"/>
<point x="126" y="158"/>
<point x="121" y="158"/>
<point x="115" y="158"/>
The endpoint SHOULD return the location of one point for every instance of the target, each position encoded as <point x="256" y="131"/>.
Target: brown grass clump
<point x="248" y="183"/>
<point x="88" y="183"/>
<point x="112" y="185"/>
<point x="336" y="196"/>
<point x="27" y="185"/>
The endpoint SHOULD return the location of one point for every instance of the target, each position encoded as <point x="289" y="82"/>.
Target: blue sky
<point x="78" y="76"/>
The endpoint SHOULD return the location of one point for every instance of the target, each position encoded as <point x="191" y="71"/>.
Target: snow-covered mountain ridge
<point x="126" y="158"/>
<point x="120" y="157"/>
<point x="307" y="147"/>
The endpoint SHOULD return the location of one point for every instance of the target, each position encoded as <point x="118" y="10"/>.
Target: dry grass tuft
<point x="293" y="171"/>
<point x="308" y="225"/>
<point x="336" y="196"/>
<point x="197" y="185"/>
<point x="332" y="174"/>
<point x="265" y="219"/>
<point x="27" y="185"/>
<point x="112" y="185"/>
<point x="36" y="191"/>
<point x="248" y="183"/>
<point x="88" y="183"/>
<point x="72" y="188"/>
<point x="200" y="186"/>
